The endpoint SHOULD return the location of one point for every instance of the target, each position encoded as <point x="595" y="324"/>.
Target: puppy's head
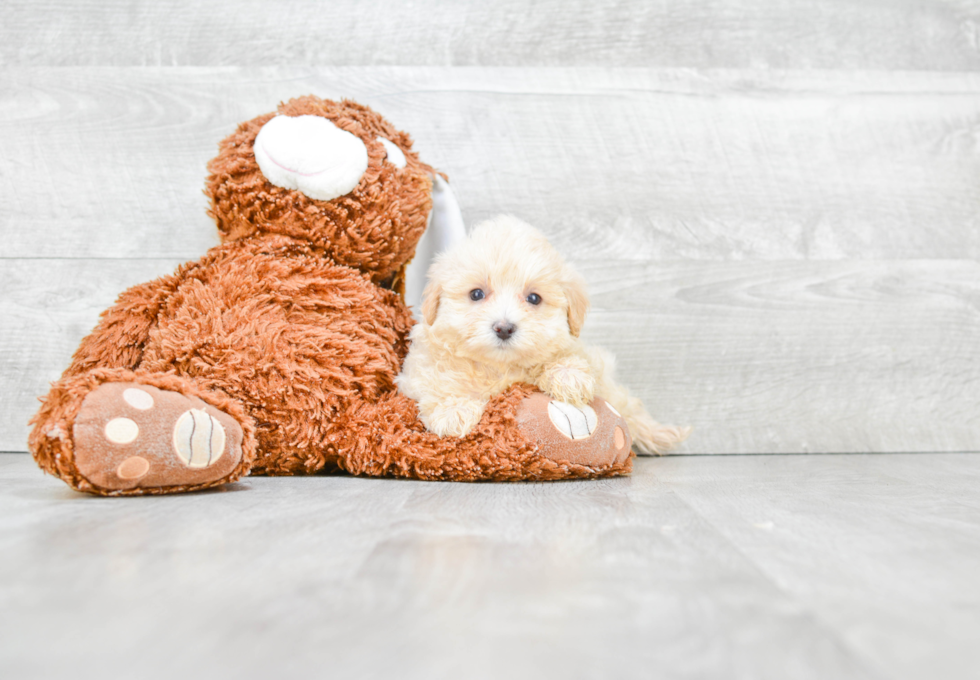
<point x="504" y="296"/>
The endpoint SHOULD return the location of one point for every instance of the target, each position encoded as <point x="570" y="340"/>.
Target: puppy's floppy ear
<point x="577" y="297"/>
<point x="430" y="301"/>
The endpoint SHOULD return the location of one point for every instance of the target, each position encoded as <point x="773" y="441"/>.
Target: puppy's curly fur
<point x="503" y="307"/>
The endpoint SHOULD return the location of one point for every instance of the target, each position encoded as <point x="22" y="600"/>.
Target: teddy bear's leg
<point x="115" y="431"/>
<point x="523" y="435"/>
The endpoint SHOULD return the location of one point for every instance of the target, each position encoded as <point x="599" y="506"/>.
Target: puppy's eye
<point x="476" y="295"/>
<point x="534" y="299"/>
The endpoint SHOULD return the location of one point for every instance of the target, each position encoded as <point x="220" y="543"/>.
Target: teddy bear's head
<point x="335" y="174"/>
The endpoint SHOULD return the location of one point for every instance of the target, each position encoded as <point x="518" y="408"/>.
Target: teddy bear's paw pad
<point x="572" y="421"/>
<point x="199" y="439"/>
<point x="595" y="435"/>
<point x="136" y="436"/>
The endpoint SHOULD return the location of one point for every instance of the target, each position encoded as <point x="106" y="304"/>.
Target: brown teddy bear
<point x="276" y="352"/>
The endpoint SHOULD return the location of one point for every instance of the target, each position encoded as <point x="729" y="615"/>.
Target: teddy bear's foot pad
<point x="595" y="435"/>
<point x="131" y="436"/>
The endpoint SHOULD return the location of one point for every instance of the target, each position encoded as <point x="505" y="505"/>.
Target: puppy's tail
<point x="649" y="436"/>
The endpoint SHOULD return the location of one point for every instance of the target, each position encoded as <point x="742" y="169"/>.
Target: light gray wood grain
<point x="708" y="567"/>
<point x="676" y="164"/>
<point x="48" y="306"/>
<point x="784" y="357"/>
<point x="880" y="549"/>
<point x="864" y="34"/>
<point x="761" y="357"/>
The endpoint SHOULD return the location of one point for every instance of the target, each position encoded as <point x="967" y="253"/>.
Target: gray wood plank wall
<point x="777" y="205"/>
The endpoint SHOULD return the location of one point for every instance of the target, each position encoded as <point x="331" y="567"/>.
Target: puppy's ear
<point x="577" y="297"/>
<point x="430" y="302"/>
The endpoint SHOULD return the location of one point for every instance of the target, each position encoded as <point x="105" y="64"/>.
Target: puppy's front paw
<point x="455" y="419"/>
<point x="569" y="384"/>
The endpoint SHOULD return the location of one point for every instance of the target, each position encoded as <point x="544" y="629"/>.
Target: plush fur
<point x="373" y="229"/>
<point x="295" y="328"/>
<point x="501" y="308"/>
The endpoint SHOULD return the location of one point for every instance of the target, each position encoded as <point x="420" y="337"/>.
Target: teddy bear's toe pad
<point x="572" y="421"/>
<point x="595" y="435"/>
<point x="129" y="435"/>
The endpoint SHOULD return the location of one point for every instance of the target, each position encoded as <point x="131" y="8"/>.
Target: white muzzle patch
<point x="572" y="421"/>
<point x="311" y="155"/>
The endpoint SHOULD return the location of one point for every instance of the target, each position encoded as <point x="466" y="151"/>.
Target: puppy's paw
<point x="570" y="384"/>
<point x="455" y="419"/>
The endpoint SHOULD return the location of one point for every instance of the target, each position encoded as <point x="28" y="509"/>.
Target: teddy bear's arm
<point x="121" y="334"/>
<point x="518" y="438"/>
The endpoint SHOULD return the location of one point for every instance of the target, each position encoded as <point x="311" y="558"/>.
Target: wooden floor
<point x="724" y="567"/>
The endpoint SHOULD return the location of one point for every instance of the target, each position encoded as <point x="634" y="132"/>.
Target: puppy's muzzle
<point x="504" y="329"/>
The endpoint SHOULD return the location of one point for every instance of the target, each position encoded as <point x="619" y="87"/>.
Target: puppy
<point x="503" y="307"/>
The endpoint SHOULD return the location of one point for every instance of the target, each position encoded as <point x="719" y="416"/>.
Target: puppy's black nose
<point x="504" y="329"/>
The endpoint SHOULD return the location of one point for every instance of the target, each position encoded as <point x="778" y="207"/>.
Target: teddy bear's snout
<point x="311" y="155"/>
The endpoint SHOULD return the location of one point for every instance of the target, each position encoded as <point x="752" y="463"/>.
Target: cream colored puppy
<point x="503" y="307"/>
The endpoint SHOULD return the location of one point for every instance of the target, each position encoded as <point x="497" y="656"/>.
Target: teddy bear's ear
<point x="430" y="302"/>
<point x="577" y="297"/>
<point x="445" y="229"/>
